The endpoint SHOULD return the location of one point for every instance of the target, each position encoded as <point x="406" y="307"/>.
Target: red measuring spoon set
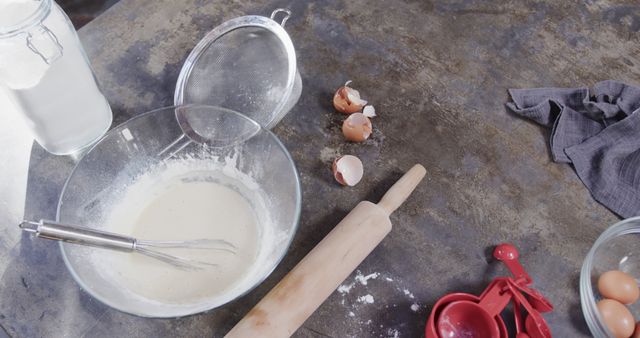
<point x="466" y="315"/>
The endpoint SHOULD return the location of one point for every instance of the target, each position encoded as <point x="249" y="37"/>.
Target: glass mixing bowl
<point x="616" y="249"/>
<point x="199" y="133"/>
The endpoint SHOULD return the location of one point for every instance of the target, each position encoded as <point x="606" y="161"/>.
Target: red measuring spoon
<point x="430" y="329"/>
<point x="517" y="318"/>
<point x="535" y="324"/>
<point x="508" y="254"/>
<point x="538" y="301"/>
<point x="517" y="311"/>
<point x="466" y="318"/>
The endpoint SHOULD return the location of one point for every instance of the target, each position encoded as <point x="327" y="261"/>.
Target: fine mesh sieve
<point x="248" y="65"/>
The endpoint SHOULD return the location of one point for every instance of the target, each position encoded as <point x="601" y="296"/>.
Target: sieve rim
<point x="232" y="25"/>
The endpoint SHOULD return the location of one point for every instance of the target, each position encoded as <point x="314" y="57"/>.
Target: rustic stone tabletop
<point x="437" y="72"/>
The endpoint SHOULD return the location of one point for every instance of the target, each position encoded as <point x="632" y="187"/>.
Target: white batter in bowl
<point x="243" y="190"/>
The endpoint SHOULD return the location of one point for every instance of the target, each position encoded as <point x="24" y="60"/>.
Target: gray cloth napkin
<point x="599" y="134"/>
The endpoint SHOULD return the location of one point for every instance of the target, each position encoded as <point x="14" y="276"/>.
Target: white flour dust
<point x="408" y="293"/>
<point x="359" y="301"/>
<point x="359" y="279"/>
<point x="368" y="299"/>
<point x="345" y="288"/>
<point x="363" y="279"/>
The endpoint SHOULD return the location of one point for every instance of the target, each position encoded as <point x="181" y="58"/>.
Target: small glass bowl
<point x="617" y="248"/>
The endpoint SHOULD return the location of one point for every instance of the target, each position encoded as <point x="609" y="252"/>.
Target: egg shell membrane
<point x="350" y="169"/>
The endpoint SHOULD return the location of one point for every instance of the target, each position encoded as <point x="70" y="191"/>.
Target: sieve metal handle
<point x="175" y="147"/>
<point x="281" y="10"/>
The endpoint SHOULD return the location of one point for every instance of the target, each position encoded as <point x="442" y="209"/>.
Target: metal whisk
<point x="102" y="239"/>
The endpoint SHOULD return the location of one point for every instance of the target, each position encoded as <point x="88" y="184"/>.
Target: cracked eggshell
<point x="347" y="100"/>
<point x="348" y="170"/>
<point x="369" y="111"/>
<point x="357" y="127"/>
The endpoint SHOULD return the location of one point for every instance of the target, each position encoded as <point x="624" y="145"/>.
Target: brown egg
<point x="618" y="285"/>
<point x="636" y="334"/>
<point x="617" y="318"/>
<point x="356" y="127"/>
<point x="347" y="100"/>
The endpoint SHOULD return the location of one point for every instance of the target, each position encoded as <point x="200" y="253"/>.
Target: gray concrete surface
<point x="437" y="72"/>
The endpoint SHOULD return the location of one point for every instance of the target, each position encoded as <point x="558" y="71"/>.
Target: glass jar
<point x="47" y="78"/>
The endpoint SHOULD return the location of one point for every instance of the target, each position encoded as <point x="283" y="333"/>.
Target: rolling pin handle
<point x="399" y="192"/>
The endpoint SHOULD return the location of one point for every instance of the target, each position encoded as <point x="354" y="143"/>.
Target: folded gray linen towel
<point x="598" y="133"/>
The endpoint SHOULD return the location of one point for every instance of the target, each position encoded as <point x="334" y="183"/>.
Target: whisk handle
<point x="79" y="235"/>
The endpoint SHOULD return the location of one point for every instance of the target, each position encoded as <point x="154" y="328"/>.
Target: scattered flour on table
<point x="408" y="293"/>
<point x="363" y="279"/>
<point x="360" y="278"/>
<point x="357" y="298"/>
<point x="366" y="299"/>
<point x="393" y="333"/>
<point x="345" y="288"/>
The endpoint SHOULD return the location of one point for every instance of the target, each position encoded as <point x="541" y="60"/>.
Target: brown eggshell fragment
<point x="348" y="170"/>
<point x="617" y="318"/>
<point x="357" y="127"/>
<point x="347" y="100"/>
<point x="618" y="285"/>
<point x="369" y="111"/>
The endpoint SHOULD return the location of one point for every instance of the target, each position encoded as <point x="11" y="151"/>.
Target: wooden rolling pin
<point x="285" y="308"/>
